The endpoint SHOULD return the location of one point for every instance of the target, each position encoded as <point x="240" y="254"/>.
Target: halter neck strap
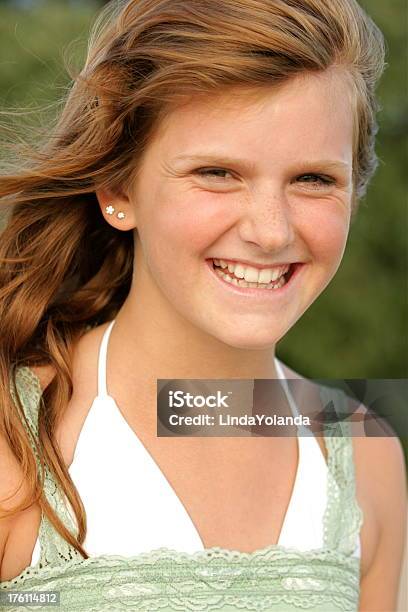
<point x="102" y="363"/>
<point x="102" y="359"/>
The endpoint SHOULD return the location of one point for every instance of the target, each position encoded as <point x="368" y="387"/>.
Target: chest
<point x="191" y="493"/>
<point x="236" y="490"/>
<point x="228" y="492"/>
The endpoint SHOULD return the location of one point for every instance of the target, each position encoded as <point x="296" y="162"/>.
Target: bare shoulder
<point x="84" y="352"/>
<point x="379" y="458"/>
<point x="382" y="473"/>
<point x="381" y="492"/>
<point x="84" y="390"/>
<point x="381" y="485"/>
<point x="13" y="492"/>
<point x="13" y="487"/>
<point x="11" y="475"/>
<point x="45" y="374"/>
<point x="381" y="465"/>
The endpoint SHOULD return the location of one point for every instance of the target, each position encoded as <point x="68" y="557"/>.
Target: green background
<point x="358" y="327"/>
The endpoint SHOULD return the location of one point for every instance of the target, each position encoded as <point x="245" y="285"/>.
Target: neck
<point x="170" y="347"/>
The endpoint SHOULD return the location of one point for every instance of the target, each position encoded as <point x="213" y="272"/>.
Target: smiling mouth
<point x="275" y="284"/>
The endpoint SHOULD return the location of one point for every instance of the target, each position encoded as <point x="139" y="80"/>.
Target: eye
<point x="212" y="172"/>
<point x="315" y="180"/>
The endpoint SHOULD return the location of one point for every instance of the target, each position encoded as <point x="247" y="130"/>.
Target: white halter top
<point x="130" y="505"/>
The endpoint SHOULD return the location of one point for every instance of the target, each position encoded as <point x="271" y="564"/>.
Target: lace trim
<point x="204" y="580"/>
<point x="343" y="516"/>
<point x="53" y="547"/>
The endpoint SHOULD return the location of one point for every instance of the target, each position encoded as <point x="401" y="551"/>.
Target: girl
<point x="191" y="202"/>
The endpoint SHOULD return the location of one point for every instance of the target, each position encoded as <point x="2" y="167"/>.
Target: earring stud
<point x="110" y="210"/>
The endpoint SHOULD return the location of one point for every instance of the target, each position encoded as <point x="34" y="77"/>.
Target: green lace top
<point x="274" y="578"/>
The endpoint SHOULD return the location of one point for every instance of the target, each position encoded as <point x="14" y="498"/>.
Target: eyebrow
<point x="221" y="158"/>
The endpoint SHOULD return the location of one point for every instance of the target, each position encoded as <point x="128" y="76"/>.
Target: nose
<point x="266" y="221"/>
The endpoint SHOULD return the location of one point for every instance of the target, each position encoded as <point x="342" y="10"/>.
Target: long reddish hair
<point x="63" y="269"/>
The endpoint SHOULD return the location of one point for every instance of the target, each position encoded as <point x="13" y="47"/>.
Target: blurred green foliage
<point x="358" y="327"/>
<point x="32" y="45"/>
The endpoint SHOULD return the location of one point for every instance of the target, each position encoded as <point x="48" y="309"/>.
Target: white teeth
<point x="276" y="274"/>
<point x="253" y="275"/>
<point x="265" y="276"/>
<point x="243" y="283"/>
<point x="239" y="271"/>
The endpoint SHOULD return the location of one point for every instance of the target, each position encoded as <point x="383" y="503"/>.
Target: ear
<point x="113" y="203"/>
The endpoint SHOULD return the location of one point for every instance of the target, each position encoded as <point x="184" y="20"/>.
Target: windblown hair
<point x="63" y="269"/>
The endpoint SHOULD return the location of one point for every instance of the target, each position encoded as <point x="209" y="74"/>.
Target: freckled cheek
<point x="191" y="226"/>
<point x="327" y="239"/>
<point x="176" y="240"/>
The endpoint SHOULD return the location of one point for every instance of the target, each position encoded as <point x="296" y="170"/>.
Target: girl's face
<point x="257" y="180"/>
